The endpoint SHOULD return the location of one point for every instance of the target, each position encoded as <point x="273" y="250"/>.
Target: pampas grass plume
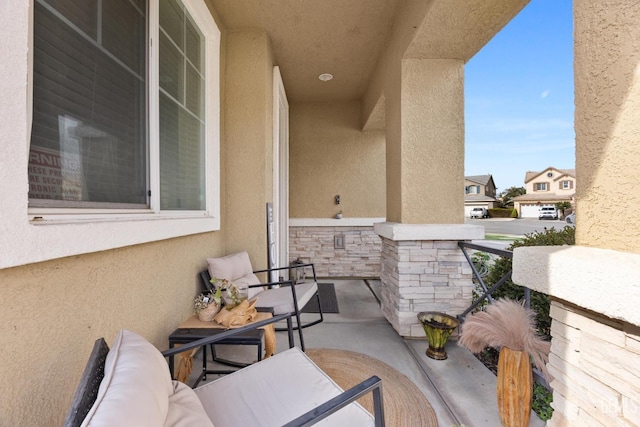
<point x="505" y="323"/>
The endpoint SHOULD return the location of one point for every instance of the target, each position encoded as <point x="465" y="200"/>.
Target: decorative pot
<point x="438" y="328"/>
<point x="514" y="387"/>
<point x="207" y="314"/>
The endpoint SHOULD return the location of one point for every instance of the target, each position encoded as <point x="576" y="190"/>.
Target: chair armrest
<point x="226" y="334"/>
<point x="372" y="384"/>
<point x="291" y="267"/>
<point x="270" y="284"/>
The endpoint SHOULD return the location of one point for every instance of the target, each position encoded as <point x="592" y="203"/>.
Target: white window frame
<point x="50" y="233"/>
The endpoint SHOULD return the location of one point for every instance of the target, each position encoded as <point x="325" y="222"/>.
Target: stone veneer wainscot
<point x="312" y="240"/>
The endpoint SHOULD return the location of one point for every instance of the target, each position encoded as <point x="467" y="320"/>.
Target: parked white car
<point x="479" y="213"/>
<point x="548" y="212"/>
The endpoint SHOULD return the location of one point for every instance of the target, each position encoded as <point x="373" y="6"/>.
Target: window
<point x="105" y="136"/>
<point x="540" y="186"/>
<point x="566" y="185"/>
<point x="472" y="189"/>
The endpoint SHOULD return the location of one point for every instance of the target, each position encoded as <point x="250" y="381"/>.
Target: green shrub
<point x="500" y="213"/>
<point x="539" y="302"/>
<point x="541" y="402"/>
<point x="514" y="213"/>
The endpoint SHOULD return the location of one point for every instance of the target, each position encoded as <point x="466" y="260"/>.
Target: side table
<point x="187" y="335"/>
<point x="193" y="329"/>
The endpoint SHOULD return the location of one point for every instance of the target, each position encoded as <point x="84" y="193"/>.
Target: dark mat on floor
<point x="328" y="300"/>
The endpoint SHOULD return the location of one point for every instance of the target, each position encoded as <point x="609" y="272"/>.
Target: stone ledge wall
<point x="423" y="276"/>
<point x="595" y="363"/>
<point x="359" y="258"/>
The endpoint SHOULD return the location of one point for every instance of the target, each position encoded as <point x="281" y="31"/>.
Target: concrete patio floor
<point x="460" y="389"/>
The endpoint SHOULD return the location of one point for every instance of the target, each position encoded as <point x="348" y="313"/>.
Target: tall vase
<point x="514" y="387"/>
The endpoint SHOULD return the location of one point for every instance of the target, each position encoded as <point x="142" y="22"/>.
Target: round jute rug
<point x="404" y="403"/>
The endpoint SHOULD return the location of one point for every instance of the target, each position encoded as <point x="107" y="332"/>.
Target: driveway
<point x="516" y="227"/>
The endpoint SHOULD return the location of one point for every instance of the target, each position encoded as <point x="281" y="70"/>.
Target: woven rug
<point x="328" y="300"/>
<point x="404" y="403"/>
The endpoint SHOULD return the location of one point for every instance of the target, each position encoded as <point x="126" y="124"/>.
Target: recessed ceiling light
<point x="325" y="77"/>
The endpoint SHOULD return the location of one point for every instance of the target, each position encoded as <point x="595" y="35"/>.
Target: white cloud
<point x="544" y="94"/>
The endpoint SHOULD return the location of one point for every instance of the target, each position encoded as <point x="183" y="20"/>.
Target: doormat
<point x="328" y="300"/>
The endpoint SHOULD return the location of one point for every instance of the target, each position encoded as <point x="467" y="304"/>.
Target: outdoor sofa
<point x="130" y="385"/>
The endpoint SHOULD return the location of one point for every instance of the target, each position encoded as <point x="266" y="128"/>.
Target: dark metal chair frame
<point x="205" y="277"/>
<point x="87" y="390"/>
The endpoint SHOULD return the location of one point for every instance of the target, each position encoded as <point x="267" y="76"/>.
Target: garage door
<point x="529" y="211"/>
<point x="467" y="211"/>
<point x="532" y="210"/>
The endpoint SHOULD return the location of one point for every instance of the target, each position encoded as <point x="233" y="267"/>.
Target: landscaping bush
<point x="500" y="213"/>
<point x="539" y="302"/>
<point x="514" y="213"/>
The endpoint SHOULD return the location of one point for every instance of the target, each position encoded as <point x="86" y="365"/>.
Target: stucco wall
<point x="330" y="155"/>
<point x="607" y="61"/>
<point x="247" y="140"/>
<point x="425" y="134"/>
<point x="52" y="312"/>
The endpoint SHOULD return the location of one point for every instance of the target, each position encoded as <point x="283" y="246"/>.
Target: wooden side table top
<point x="194" y="322"/>
<point x="269" y="330"/>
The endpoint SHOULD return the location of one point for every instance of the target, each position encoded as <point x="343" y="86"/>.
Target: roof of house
<point x="529" y="175"/>
<point x="478" y="198"/>
<point x="480" y="179"/>
<point x="543" y="197"/>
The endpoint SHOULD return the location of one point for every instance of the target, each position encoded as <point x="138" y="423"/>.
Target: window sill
<point x="46" y="239"/>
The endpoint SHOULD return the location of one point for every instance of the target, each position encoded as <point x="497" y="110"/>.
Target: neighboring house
<point x="545" y="188"/>
<point x="479" y="192"/>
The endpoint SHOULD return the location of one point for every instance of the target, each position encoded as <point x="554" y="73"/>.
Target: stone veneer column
<point x="595" y="330"/>
<point x="424" y="270"/>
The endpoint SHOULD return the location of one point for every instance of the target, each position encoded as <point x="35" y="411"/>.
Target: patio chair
<point x="290" y="297"/>
<point x="130" y="385"/>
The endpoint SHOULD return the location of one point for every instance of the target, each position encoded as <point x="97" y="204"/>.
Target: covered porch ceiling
<point x="348" y="38"/>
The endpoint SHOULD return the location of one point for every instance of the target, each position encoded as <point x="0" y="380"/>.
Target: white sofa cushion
<point x="185" y="409"/>
<point x="135" y="387"/>
<point x="275" y="391"/>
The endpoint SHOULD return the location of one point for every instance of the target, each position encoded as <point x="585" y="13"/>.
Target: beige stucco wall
<point x="607" y="79"/>
<point x="52" y="312"/>
<point x="330" y="155"/>
<point x="553" y="183"/>
<point x="247" y="141"/>
<point x="425" y="139"/>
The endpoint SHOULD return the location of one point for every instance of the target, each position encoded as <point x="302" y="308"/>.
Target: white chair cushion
<point x="185" y="409"/>
<point x="282" y="301"/>
<point x="237" y="269"/>
<point x="135" y="387"/>
<point x="230" y="267"/>
<point x="275" y="391"/>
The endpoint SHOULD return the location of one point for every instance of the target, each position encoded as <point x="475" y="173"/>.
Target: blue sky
<point x="519" y="99"/>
